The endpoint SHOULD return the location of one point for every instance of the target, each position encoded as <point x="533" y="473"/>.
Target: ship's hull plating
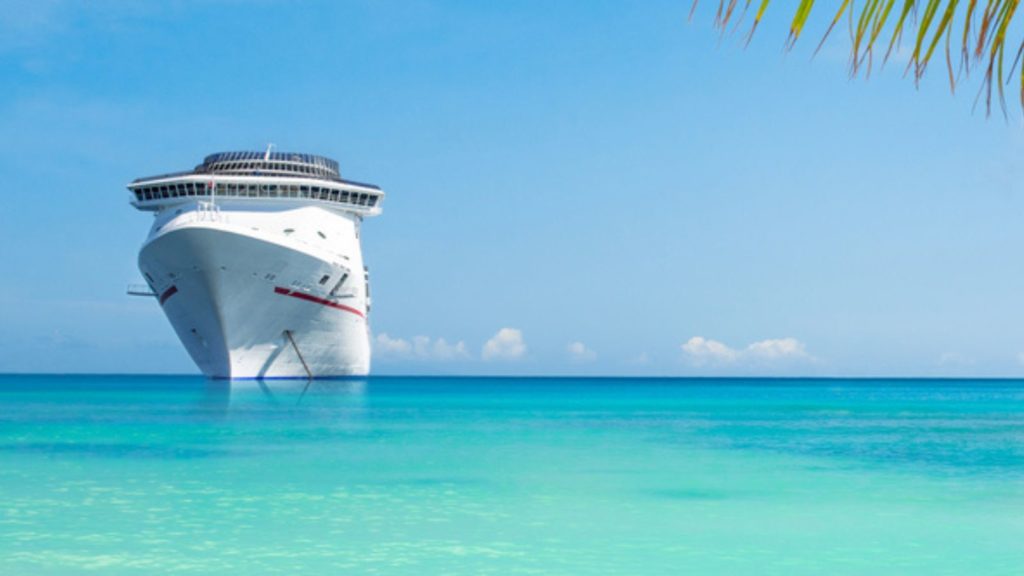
<point x="250" y="307"/>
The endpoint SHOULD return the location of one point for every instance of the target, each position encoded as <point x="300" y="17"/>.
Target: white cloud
<point x="777" y="348"/>
<point x="507" y="344"/>
<point x="438" y="349"/>
<point x="700" y="351"/>
<point x="421" y="347"/>
<point x="579" y="352"/>
<point x="388" y="345"/>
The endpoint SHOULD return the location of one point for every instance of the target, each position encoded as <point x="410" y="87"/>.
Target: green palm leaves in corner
<point x="969" y="33"/>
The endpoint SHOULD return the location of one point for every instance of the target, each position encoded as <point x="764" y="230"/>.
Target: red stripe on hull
<point x="315" y="300"/>
<point x="167" y="294"/>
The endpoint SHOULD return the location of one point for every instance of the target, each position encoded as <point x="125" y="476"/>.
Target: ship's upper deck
<point x="277" y="163"/>
<point x="260" y="175"/>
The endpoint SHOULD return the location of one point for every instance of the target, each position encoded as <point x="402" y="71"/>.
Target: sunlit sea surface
<point x="157" y="475"/>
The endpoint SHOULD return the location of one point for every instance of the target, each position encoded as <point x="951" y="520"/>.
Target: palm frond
<point x="982" y="25"/>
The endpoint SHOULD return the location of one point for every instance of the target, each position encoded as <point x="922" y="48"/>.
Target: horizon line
<point x="512" y="377"/>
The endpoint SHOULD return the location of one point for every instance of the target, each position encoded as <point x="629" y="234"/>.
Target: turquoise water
<point x="154" y="475"/>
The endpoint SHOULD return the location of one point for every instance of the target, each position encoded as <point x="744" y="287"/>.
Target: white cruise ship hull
<point x="247" y="305"/>
<point x="256" y="260"/>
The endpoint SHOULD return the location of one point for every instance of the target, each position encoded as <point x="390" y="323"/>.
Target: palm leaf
<point x="984" y="25"/>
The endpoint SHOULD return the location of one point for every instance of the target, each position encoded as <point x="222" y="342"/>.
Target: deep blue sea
<point x="159" y="475"/>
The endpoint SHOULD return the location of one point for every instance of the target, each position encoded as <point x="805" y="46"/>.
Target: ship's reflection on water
<point x="225" y="398"/>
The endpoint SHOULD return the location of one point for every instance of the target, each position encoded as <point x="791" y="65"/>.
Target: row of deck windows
<point x="270" y="166"/>
<point x="185" y="189"/>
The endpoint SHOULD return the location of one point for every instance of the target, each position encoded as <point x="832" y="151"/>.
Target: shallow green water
<point x="153" y="475"/>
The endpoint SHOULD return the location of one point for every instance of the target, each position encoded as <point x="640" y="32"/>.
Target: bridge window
<point x="238" y="189"/>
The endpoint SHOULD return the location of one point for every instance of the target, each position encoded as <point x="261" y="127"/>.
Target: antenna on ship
<point x="266" y="156"/>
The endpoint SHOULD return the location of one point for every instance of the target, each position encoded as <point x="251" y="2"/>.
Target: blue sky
<point x="590" y="187"/>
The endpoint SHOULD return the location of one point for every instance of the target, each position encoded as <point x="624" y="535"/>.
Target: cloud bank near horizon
<point x="509" y="345"/>
<point x="506" y="344"/>
<point x="700" y="351"/>
<point x="420" y="347"/>
<point x="579" y="352"/>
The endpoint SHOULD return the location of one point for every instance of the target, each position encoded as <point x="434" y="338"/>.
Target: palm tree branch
<point x="983" y="27"/>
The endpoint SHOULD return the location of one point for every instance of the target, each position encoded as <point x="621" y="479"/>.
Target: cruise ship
<point x="255" y="259"/>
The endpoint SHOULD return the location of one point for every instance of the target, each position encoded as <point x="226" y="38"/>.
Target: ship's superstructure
<point x="255" y="259"/>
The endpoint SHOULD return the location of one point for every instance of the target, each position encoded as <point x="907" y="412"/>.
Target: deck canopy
<point x="276" y="163"/>
<point x="274" y="176"/>
<point x="265" y="164"/>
